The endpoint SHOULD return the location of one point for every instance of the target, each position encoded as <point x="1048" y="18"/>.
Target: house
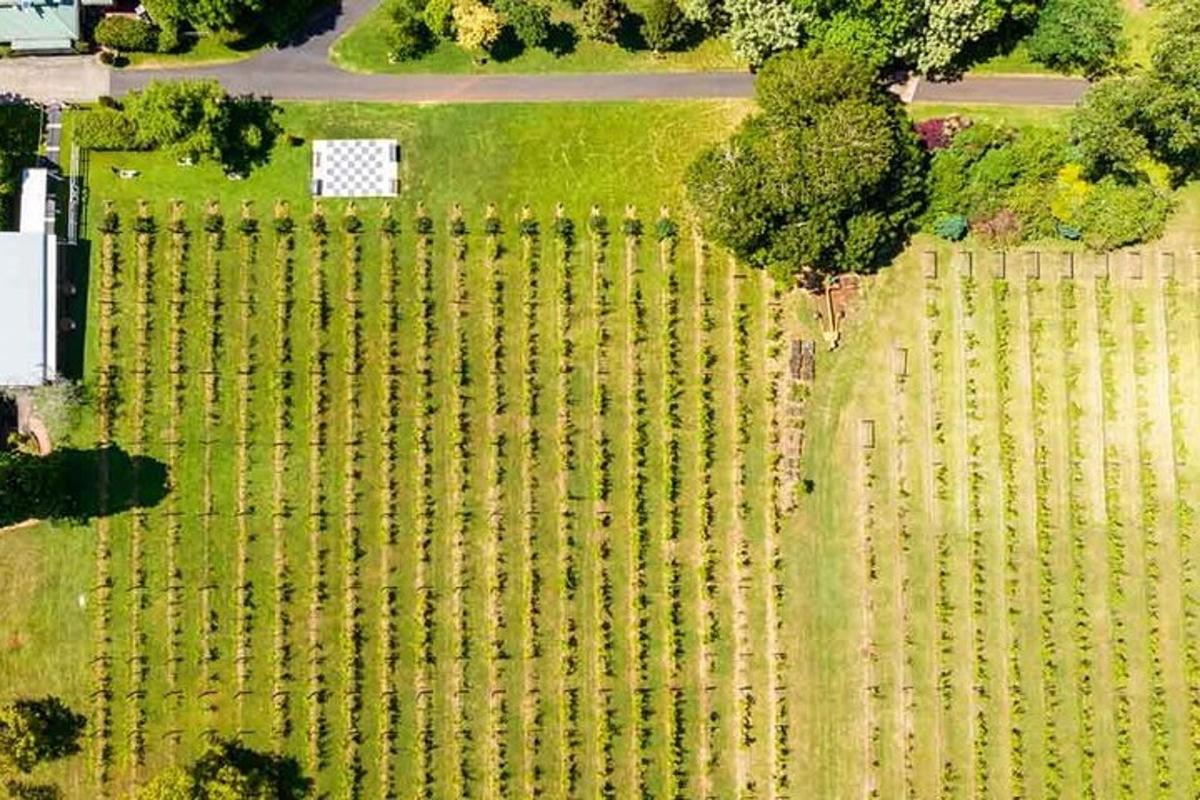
<point x="43" y="26"/>
<point x="29" y="291"/>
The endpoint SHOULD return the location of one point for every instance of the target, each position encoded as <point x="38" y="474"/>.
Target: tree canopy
<point x="33" y="731"/>
<point x="826" y="179"/>
<point x="230" y="771"/>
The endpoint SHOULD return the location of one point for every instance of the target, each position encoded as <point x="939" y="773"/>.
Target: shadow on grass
<point x="562" y="40"/>
<point x="67" y="484"/>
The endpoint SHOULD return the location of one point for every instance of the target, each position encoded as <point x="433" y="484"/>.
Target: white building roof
<point x="33" y="201"/>
<point x="356" y="168"/>
<point x="28" y="308"/>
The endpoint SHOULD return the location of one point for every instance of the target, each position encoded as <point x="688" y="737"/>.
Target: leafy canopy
<point x="827" y="179"/>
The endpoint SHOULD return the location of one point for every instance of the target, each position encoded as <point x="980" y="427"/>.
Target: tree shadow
<point x="629" y="34"/>
<point x="253" y="129"/>
<point x="507" y="46"/>
<point x="283" y="774"/>
<point x="78" y="485"/>
<point x="561" y="40"/>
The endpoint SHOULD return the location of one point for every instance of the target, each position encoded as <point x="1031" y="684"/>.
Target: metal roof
<point x="39" y="24"/>
<point x="28" y="308"/>
<point x="33" y="201"/>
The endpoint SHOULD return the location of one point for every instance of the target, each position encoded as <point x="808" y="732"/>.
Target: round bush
<point x="127" y="33"/>
<point x="664" y="27"/>
<point x="409" y="37"/>
<point x="952" y="227"/>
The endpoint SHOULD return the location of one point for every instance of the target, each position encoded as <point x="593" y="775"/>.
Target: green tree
<point x="409" y="37"/>
<point x="33" y="731"/>
<point x="1084" y="36"/>
<point x="223" y="14"/>
<point x="601" y="19"/>
<point x="530" y="20"/>
<point x="827" y="179"/>
<point x="664" y="26"/>
<point x="439" y="17"/>
<point x="230" y="771"/>
<point x="187" y="117"/>
<point x="1112" y="127"/>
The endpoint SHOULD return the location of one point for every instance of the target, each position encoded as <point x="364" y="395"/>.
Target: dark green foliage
<point x="666" y="228"/>
<point x="601" y="19"/>
<point x="130" y="34"/>
<point x="19" y="136"/>
<point x="34" y="731"/>
<point x="409" y="37"/>
<point x="989" y="169"/>
<point x="631" y="227"/>
<point x="529" y="19"/>
<point x="663" y="26"/>
<point x="105" y="129"/>
<point x="227" y="770"/>
<point x="1124" y="126"/>
<point x="284" y="225"/>
<point x="1083" y="36"/>
<point x="23" y="790"/>
<point x="827" y="179"/>
<point x="190" y="118"/>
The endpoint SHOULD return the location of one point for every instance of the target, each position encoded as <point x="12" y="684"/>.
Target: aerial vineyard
<point x="538" y="502"/>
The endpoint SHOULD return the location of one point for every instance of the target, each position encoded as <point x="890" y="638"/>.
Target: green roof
<point x="39" y="24"/>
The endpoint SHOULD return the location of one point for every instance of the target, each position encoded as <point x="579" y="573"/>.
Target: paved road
<point x="301" y="70"/>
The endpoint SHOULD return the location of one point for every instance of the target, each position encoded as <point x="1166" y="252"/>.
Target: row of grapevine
<point x="352" y="633"/>
<point x="778" y="722"/>
<point x="867" y="481"/>
<point x="214" y="227"/>
<point x="281" y="450"/>
<point x="426" y="502"/>
<point x="936" y="444"/>
<point x="1004" y="371"/>
<point x="177" y="261"/>
<point x="903" y="500"/>
<point x="1039" y="353"/>
<point x="496" y="549"/>
<point x="389" y="505"/>
<point x="105" y="408"/>
<point x="138" y="662"/>
<point x="1148" y="489"/>
<point x="530" y="449"/>
<point x="672" y="519"/>
<point x="460" y="491"/>
<point x="1173" y="316"/>
<point x="976" y="525"/>
<point x="315" y="728"/>
<point x="243" y="622"/>
<point x="1117" y="557"/>
<point x="567" y="522"/>
<point x="1077" y="519"/>
<point x="603" y="666"/>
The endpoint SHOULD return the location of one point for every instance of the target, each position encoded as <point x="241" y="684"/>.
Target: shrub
<point x="130" y="34"/>
<point x="952" y="227"/>
<point x="1001" y="228"/>
<point x="601" y="19"/>
<point x="939" y="132"/>
<point x="1079" y="36"/>
<point x="529" y="19"/>
<point x="663" y="26"/>
<point x="105" y="129"/>
<point x="1116" y="214"/>
<point x="409" y="37"/>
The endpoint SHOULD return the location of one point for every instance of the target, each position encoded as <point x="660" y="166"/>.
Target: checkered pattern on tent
<point x="355" y="168"/>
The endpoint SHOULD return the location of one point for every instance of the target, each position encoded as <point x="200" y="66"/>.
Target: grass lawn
<point x="365" y="49"/>
<point x="197" y="51"/>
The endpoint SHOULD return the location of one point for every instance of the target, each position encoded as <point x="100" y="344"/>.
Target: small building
<point x="355" y="168"/>
<point x="29" y="291"/>
<point x="43" y="26"/>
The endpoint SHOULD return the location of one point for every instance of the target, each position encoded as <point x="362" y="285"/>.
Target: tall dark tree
<point x="228" y="770"/>
<point x="33" y="731"/>
<point x="826" y="179"/>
